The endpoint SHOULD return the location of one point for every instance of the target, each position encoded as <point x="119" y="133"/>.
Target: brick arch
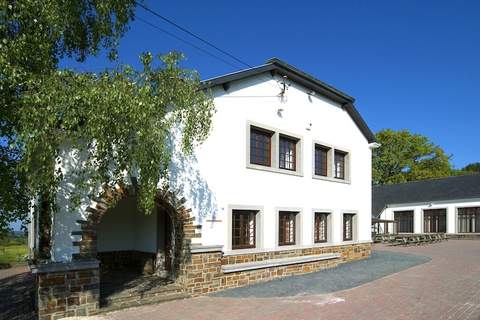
<point x="168" y="201"/>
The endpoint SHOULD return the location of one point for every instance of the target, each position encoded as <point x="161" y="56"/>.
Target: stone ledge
<point x="64" y="266"/>
<point x="295" y="247"/>
<point x="277" y="262"/>
<point x="205" y="249"/>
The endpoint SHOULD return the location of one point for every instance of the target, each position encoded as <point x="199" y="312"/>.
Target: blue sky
<point x="409" y="64"/>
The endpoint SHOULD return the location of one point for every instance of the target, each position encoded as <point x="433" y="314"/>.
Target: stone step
<point x="136" y="297"/>
<point x="135" y="301"/>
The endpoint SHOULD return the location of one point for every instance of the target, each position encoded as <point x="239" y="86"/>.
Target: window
<point x="340" y="164"/>
<point x="320" y="227"/>
<point x="348" y="227"/>
<point x="260" y="147"/>
<point x="270" y="149"/>
<point x="321" y="160"/>
<point x="286" y="228"/>
<point x="469" y="220"/>
<point x="287" y="153"/>
<point x="243" y="229"/>
<point x="404" y="221"/>
<point x="435" y="221"/>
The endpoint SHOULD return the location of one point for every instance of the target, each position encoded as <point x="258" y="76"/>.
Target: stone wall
<point x="203" y="273"/>
<point x="66" y="290"/>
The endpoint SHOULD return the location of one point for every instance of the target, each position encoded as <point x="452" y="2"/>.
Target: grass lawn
<point x="12" y="254"/>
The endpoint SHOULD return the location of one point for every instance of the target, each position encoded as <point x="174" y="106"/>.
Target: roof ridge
<point x="428" y="179"/>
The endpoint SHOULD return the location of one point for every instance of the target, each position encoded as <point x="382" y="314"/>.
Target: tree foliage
<point x="118" y="124"/>
<point x="119" y="121"/>
<point x="472" y="168"/>
<point x="404" y="156"/>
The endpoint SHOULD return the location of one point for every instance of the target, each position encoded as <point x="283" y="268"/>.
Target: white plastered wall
<point x="216" y="175"/>
<point x="222" y="162"/>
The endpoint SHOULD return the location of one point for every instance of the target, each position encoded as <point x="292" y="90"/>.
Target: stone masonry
<point x="203" y="273"/>
<point x="73" y="288"/>
<point x="65" y="290"/>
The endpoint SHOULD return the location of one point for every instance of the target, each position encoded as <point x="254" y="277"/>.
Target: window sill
<point x="331" y="179"/>
<point x="275" y="170"/>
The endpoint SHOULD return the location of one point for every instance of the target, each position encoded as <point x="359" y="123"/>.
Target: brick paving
<point x="16" y="294"/>
<point x="446" y="288"/>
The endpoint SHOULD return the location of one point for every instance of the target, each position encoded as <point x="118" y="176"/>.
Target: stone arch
<point x="183" y="230"/>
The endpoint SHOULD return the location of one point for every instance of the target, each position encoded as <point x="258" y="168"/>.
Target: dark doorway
<point x="404" y="221"/>
<point x="435" y="221"/>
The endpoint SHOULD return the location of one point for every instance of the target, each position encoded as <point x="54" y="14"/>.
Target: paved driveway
<point x="446" y="287"/>
<point x="16" y="294"/>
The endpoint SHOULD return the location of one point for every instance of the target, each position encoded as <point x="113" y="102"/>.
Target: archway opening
<point x="133" y="249"/>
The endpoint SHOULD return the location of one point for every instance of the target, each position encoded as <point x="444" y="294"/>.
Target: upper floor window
<point x="340" y="163"/>
<point x="348" y="227"/>
<point x="286" y="228"/>
<point x="320" y="227"/>
<point x="243" y="229"/>
<point x="321" y="160"/>
<point x="287" y="153"/>
<point x="260" y="146"/>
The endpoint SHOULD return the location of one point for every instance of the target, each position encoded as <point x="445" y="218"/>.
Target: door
<point x="435" y="221"/>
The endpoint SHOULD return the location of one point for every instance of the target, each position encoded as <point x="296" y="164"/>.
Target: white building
<point x="283" y="181"/>
<point x="448" y="205"/>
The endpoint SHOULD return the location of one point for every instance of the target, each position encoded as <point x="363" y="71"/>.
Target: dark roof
<point x="280" y="67"/>
<point x="443" y="189"/>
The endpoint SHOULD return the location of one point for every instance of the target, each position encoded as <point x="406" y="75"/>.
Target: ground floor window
<point x="286" y="228"/>
<point x="320" y="227"/>
<point x="468" y="220"/>
<point x="435" y="221"/>
<point x="404" y="221"/>
<point x="348" y="226"/>
<point x="243" y="229"/>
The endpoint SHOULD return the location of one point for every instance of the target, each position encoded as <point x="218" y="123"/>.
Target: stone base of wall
<point x="67" y="289"/>
<point x="203" y="273"/>
<point x="73" y="289"/>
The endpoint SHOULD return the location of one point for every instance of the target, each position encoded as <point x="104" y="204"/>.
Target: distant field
<point x="12" y="251"/>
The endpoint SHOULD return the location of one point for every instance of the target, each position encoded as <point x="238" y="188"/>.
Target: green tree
<point x="472" y="168"/>
<point x="404" y="156"/>
<point x="118" y="122"/>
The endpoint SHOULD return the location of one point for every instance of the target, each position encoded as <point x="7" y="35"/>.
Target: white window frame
<point x="331" y="163"/>
<point x="329" y="226"/>
<point x="275" y="150"/>
<point x="258" y="226"/>
<point x="354" y="225"/>
<point x="298" y="227"/>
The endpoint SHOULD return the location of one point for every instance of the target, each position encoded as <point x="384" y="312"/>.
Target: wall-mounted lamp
<point x="374" y="145"/>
